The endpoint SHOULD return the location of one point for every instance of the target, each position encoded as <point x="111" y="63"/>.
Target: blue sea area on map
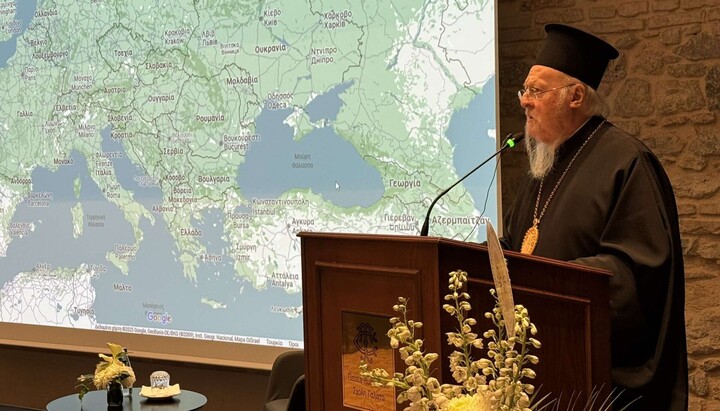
<point x="127" y="174"/>
<point x="24" y="13"/>
<point x="52" y="241"/>
<point x="468" y="133"/>
<point x="321" y="161"/>
<point x="156" y="277"/>
<point x="327" y="106"/>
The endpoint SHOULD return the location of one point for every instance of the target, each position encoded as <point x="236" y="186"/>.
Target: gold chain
<point x="531" y="237"/>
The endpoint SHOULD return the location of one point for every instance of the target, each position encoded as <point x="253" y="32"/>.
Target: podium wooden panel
<point x="364" y="274"/>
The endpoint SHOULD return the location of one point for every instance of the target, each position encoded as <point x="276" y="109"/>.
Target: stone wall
<point x="665" y="89"/>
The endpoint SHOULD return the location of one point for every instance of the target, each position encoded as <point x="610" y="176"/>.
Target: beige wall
<point x="665" y="89"/>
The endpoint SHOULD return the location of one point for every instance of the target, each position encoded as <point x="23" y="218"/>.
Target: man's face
<point x="546" y="113"/>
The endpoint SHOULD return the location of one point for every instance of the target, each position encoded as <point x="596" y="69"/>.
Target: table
<point x="97" y="401"/>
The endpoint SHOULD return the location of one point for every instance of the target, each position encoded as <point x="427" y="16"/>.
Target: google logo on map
<point x="156" y="317"/>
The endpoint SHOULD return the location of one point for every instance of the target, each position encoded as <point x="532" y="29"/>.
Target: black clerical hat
<point x="576" y="53"/>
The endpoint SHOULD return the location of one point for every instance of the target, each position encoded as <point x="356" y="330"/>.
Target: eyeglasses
<point x="533" y="93"/>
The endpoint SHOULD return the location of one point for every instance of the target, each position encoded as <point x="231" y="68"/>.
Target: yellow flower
<point x="115" y="371"/>
<point x="477" y="402"/>
<point x="108" y="370"/>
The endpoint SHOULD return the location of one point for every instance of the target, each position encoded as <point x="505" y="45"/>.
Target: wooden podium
<point x="351" y="282"/>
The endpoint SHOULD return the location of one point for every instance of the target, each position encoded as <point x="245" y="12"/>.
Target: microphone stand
<point x="510" y="141"/>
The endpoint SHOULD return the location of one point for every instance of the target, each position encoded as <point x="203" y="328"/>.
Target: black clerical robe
<point x="615" y="209"/>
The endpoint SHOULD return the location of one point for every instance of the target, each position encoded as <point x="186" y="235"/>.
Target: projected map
<point x="158" y="158"/>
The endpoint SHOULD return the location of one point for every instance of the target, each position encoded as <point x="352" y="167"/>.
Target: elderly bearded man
<point x="598" y="196"/>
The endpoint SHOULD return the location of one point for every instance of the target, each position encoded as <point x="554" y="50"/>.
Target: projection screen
<point x="158" y="158"/>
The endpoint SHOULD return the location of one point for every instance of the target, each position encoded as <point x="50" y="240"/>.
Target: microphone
<point x="510" y="141"/>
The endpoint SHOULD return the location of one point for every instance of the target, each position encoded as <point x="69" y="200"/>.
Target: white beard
<point x="541" y="157"/>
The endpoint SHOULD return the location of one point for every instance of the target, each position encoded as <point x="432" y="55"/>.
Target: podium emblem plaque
<point x="364" y="339"/>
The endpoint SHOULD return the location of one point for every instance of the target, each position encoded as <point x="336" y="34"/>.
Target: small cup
<point x="159" y="379"/>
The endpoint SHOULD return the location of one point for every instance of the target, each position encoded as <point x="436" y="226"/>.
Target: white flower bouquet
<point x="491" y="383"/>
